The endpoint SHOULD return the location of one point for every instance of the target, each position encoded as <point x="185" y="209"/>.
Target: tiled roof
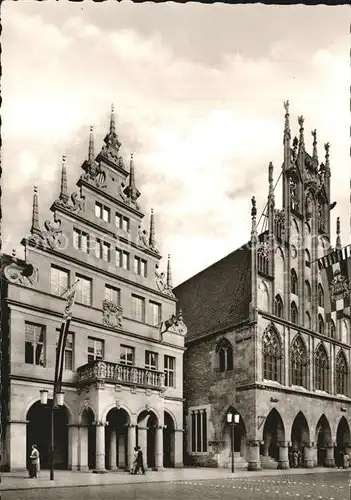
<point x="218" y="296"/>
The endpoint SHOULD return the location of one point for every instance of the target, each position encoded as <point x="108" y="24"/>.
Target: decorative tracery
<point x="272" y="355"/>
<point x="298" y="362"/>
<point x="224" y="355"/>
<point x="321" y="364"/>
<point x="341" y="372"/>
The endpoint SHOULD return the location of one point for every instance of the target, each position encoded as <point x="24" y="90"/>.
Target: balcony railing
<point x="120" y="374"/>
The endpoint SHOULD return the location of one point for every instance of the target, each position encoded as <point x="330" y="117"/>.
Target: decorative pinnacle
<point x="35" y="228"/>
<point x="302" y="139"/>
<point x="131" y="191"/>
<point x="91" y="155"/>
<point x="327" y="164"/>
<point x="152" y="238"/>
<point x="63" y="191"/>
<point x="112" y="138"/>
<point x="287" y="133"/>
<point x="112" y="120"/>
<point x="338" y="238"/>
<point x="169" y="273"/>
<point x="253" y="218"/>
<point x="315" y="152"/>
<point x="270" y="178"/>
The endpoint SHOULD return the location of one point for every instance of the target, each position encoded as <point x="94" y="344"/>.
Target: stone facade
<point x="278" y="361"/>
<point x="124" y="357"/>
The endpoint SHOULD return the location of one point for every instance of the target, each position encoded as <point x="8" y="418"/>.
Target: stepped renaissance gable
<point x="123" y="360"/>
<point x="261" y="342"/>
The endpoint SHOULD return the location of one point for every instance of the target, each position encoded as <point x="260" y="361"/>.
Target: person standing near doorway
<point x="139" y="461"/>
<point x="34" y="461"/>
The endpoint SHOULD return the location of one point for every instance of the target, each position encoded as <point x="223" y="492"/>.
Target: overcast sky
<point x="198" y="91"/>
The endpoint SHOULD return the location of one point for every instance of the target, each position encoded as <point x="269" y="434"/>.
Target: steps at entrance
<point x="239" y="462"/>
<point x="268" y="463"/>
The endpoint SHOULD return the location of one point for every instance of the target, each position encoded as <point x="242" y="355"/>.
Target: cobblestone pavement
<point x="300" y="487"/>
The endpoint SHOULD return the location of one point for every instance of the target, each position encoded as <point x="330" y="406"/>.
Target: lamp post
<point x="57" y="400"/>
<point x="232" y="419"/>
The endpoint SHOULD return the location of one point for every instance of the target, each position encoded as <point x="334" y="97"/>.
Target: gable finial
<point x="315" y="151"/>
<point x="338" y="237"/>
<point x="169" y="273"/>
<point x="35" y="228"/>
<point x="111" y="138"/>
<point x="91" y="154"/>
<point x="270" y="180"/>
<point x="63" y="190"/>
<point x="287" y="133"/>
<point x="131" y="190"/>
<point x="152" y="234"/>
<point x="327" y="164"/>
<point x="253" y="217"/>
<point x="302" y="137"/>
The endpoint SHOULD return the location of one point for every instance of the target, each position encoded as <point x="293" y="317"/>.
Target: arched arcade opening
<point x="116" y="439"/>
<point x="323" y="441"/>
<point x="300" y="438"/>
<point x="168" y="441"/>
<point x="273" y="434"/>
<point x="39" y="433"/>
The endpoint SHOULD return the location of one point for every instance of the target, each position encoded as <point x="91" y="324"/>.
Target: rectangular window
<point x="98" y="210"/>
<point x="80" y="240"/>
<point x="95" y="349"/>
<point x="140" y="266"/>
<point x="122" y="222"/>
<point x="84" y="290"/>
<point x="198" y="431"/>
<point x="102" y="212"/>
<point x="106" y="252"/>
<point x="68" y="360"/>
<point x="138" y="308"/>
<point x="113" y="294"/>
<point x="59" y="280"/>
<point x="34" y="344"/>
<point x="169" y="368"/>
<point x="151" y="360"/>
<point x="155" y="313"/>
<point x="127" y="355"/>
<point x="122" y="259"/>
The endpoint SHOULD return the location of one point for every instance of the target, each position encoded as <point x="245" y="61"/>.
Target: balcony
<point x="115" y="373"/>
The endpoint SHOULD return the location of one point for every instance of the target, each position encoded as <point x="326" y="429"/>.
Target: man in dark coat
<point x="139" y="461"/>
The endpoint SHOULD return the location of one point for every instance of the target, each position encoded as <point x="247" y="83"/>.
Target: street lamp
<point x="57" y="400"/>
<point x="232" y="419"/>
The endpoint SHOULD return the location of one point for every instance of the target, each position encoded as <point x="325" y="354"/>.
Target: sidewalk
<point x="20" y="481"/>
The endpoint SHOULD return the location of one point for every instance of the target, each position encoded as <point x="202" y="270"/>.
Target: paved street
<point x="322" y="486"/>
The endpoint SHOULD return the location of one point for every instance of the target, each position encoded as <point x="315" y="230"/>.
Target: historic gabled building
<point x="123" y="374"/>
<point x="259" y="343"/>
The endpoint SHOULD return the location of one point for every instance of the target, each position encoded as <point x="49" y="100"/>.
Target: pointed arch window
<point x="321" y="365"/>
<point x="278" y="306"/>
<point x="294" y="313"/>
<point x="225" y="356"/>
<point x="293" y="282"/>
<point x="307" y="258"/>
<point x="332" y="329"/>
<point x="272" y="355"/>
<point x="308" y="320"/>
<point x="308" y="293"/>
<point x="320" y="324"/>
<point x="342" y="373"/>
<point x="344" y="331"/>
<point x="320" y="296"/>
<point x="298" y="362"/>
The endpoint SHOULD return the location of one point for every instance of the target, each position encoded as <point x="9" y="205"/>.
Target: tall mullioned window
<point x="80" y="240"/>
<point x="155" y="313"/>
<point x="84" y="290"/>
<point x="122" y="259"/>
<point x="169" y="370"/>
<point x="272" y="355"/>
<point x="225" y="355"/>
<point x="68" y="359"/>
<point x="34" y="344"/>
<point x="138" y="308"/>
<point x="320" y="296"/>
<point x="95" y="349"/>
<point x="342" y="374"/>
<point x="321" y="365"/>
<point x="112" y="294"/>
<point x="198" y="421"/>
<point x="127" y="355"/>
<point x="298" y="362"/>
<point x="151" y="360"/>
<point x="59" y="280"/>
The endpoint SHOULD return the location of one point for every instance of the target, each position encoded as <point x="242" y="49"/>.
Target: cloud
<point x="203" y="123"/>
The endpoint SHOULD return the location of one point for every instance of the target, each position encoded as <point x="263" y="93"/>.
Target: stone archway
<point x="147" y="424"/>
<point x="343" y="440"/>
<point x="39" y="433"/>
<point x="116" y="436"/>
<point x="168" y="441"/>
<point x="273" y="435"/>
<point x="325" y="457"/>
<point x="240" y="446"/>
<point x="87" y="440"/>
<point x="300" y="439"/>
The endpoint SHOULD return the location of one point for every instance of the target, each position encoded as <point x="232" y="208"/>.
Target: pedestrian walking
<point x="34" y="460"/>
<point x="346" y="460"/>
<point x="139" y="461"/>
<point x="134" y="463"/>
